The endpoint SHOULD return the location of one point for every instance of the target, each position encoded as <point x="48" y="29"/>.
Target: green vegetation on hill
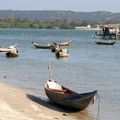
<point x="55" y="19"/>
<point x="46" y="24"/>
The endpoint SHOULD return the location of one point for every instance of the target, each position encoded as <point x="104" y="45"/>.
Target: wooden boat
<point x="67" y="98"/>
<point x="49" y="46"/>
<point x="10" y="48"/>
<point x="12" y="54"/>
<point x="11" y="51"/>
<point x="62" y="53"/>
<point x="5" y="49"/>
<point x="65" y="43"/>
<point x="105" y="42"/>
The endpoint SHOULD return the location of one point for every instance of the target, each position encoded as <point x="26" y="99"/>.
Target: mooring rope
<point x="98" y="97"/>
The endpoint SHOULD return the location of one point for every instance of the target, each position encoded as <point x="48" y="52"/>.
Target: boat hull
<point x="11" y="54"/>
<point x="42" y="46"/>
<point x="70" y="99"/>
<point x="105" y="42"/>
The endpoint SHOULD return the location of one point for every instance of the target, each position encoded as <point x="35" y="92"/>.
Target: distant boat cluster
<point x="106" y="35"/>
<point x="56" y="48"/>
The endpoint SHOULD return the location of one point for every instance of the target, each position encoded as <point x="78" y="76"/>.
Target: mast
<point x="49" y="68"/>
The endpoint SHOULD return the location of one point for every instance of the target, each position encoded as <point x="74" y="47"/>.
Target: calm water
<point x="89" y="66"/>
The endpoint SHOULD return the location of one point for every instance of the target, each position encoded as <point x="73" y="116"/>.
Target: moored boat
<point x="11" y="51"/>
<point x="67" y="98"/>
<point x="105" y="42"/>
<point x="49" y="46"/>
<point x="5" y="49"/>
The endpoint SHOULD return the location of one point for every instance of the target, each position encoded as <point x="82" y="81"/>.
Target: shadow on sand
<point x="44" y="101"/>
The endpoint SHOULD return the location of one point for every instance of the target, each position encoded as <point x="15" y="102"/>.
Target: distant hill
<point x="101" y="16"/>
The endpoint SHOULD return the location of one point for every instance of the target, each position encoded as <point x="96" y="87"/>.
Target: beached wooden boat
<point x="67" y="98"/>
<point x="49" y="46"/>
<point x="65" y="43"/>
<point x="105" y="42"/>
<point x="12" y="54"/>
<point x="62" y="53"/>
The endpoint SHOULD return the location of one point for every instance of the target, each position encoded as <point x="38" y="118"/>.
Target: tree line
<point x="10" y="22"/>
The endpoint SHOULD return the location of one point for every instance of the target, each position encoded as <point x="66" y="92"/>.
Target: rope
<point x="98" y="97"/>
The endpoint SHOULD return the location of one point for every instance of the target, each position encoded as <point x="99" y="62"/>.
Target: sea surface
<point x="89" y="66"/>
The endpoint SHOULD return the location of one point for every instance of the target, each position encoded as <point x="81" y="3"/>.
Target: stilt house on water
<point x="108" y="32"/>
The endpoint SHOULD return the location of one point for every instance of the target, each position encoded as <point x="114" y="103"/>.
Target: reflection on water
<point x="89" y="66"/>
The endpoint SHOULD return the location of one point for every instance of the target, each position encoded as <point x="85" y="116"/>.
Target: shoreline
<point x="16" y="104"/>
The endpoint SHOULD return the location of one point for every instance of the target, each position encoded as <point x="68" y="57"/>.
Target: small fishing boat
<point x="67" y="98"/>
<point x="10" y="48"/>
<point x="49" y="46"/>
<point x="65" y="43"/>
<point x="62" y="53"/>
<point x="5" y="49"/>
<point x="105" y="42"/>
<point x="11" y="51"/>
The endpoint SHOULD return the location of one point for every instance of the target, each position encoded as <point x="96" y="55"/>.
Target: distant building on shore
<point x="88" y="27"/>
<point x="83" y="27"/>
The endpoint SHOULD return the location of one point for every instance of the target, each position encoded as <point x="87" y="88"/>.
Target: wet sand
<point x="17" y="105"/>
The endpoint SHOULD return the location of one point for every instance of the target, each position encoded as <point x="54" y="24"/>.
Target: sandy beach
<point x="17" y="105"/>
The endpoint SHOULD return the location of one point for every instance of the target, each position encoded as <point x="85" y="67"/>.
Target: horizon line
<point x="56" y="10"/>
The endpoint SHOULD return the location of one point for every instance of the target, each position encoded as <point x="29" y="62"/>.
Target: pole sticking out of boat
<point x="49" y="68"/>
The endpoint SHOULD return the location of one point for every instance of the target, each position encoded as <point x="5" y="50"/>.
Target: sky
<point x="73" y="5"/>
